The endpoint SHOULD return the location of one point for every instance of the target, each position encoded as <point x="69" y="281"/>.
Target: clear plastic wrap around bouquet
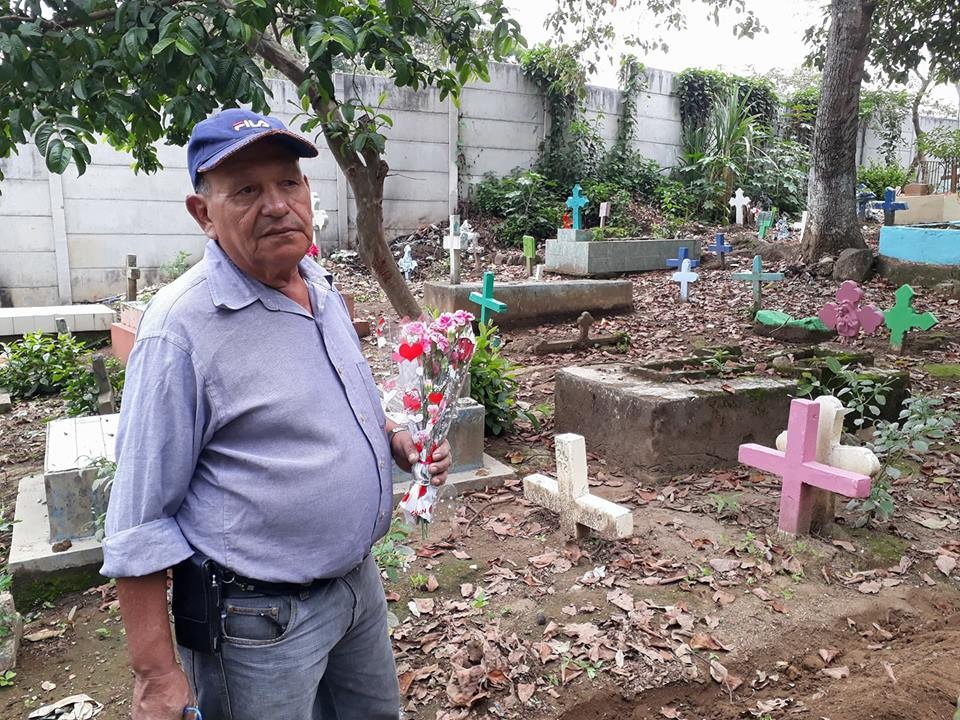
<point x="433" y="359"/>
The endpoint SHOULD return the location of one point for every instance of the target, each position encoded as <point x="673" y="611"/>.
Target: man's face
<point x="256" y="205"/>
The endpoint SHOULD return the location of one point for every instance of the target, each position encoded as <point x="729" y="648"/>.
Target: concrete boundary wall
<point x="64" y="238"/>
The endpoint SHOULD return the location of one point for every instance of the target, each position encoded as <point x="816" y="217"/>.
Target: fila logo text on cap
<point x="241" y="124"/>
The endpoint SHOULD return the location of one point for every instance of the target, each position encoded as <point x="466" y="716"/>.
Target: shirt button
<point x="381" y="464"/>
<point x="363" y="418"/>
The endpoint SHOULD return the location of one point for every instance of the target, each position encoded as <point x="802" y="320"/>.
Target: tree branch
<point x="56" y="23"/>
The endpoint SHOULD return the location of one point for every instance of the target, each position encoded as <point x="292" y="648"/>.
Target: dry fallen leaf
<point x="889" y="669"/>
<point x="719" y="673"/>
<point x="432" y="584"/>
<point x="870" y="587"/>
<point x="849" y="547"/>
<point x="525" y="692"/>
<point x="706" y="641"/>
<point x="724" y="564"/>
<point x="466" y="590"/>
<point x="670" y="712"/>
<point x="946" y="564"/>
<point x="837" y="673"/>
<point x="828" y="655"/>
<point x="41" y="635"/>
<point x="621" y="599"/>
<point x="723" y="598"/>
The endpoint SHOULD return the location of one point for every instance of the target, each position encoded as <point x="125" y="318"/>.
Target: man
<point x="251" y="434"/>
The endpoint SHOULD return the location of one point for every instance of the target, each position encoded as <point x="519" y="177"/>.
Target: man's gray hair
<point x="203" y="187"/>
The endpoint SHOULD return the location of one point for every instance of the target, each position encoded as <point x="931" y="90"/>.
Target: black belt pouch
<point x="196" y="604"/>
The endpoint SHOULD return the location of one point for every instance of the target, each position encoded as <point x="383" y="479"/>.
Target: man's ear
<point x="197" y="207"/>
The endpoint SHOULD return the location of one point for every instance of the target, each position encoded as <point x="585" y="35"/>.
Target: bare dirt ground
<point x="706" y="613"/>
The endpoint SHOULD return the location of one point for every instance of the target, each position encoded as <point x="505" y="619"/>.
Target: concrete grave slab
<point x="72" y="445"/>
<point x="612" y="257"/>
<point x="39" y="572"/>
<point x="491" y="474"/>
<point x="530" y="302"/>
<point x="669" y="426"/>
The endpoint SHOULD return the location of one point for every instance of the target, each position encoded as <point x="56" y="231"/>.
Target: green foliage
<point x="176" y="267"/>
<point x="800" y="114"/>
<point x="7" y="678"/>
<point x="603" y="192"/>
<point x="675" y="201"/>
<point x="528" y="203"/>
<point x="80" y="390"/>
<point x="41" y="364"/>
<point x="884" y="110"/>
<point x="136" y="73"/>
<point x="878" y="178"/>
<point x="941" y="142"/>
<point x="391" y="554"/>
<point x="923" y="423"/>
<point x="701" y="90"/>
<point x="102" y="485"/>
<point x="492" y="383"/>
<point x="779" y="170"/>
<point x="859" y="392"/>
<point x="716" y="155"/>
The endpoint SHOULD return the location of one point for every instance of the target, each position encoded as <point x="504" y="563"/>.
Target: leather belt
<point x="230" y="581"/>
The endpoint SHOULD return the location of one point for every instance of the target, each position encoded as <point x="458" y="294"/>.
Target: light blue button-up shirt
<point x="250" y="431"/>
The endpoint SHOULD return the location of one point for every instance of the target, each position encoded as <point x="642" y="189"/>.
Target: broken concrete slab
<point x="491" y="474"/>
<point x="12" y="622"/>
<point x="5" y="402"/>
<point x="38" y="572"/>
<point x="612" y="257"/>
<point x="668" y="426"/>
<point x="74" y="447"/>
<point x="530" y="302"/>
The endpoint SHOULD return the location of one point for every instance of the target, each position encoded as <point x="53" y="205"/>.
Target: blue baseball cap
<point x="219" y="136"/>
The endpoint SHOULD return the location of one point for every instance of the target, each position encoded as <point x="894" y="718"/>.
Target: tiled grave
<point x="612" y="257"/>
<point x="80" y="318"/>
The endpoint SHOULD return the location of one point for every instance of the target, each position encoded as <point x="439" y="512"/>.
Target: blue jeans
<point x="323" y="655"/>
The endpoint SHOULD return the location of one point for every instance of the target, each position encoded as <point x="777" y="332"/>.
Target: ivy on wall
<point x="699" y="90"/>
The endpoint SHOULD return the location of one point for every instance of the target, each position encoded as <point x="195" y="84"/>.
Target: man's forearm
<point x="143" y="607"/>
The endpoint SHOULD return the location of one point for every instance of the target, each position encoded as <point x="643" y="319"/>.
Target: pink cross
<point x="800" y="470"/>
<point x="846" y="316"/>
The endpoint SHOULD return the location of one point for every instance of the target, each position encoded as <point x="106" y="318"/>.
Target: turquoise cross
<point x="576" y="203"/>
<point x="756" y="278"/>
<point x="486" y="301"/>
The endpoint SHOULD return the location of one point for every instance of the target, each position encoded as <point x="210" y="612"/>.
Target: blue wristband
<point x="192" y="713"/>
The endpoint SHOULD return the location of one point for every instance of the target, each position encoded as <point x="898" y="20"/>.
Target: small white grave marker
<point x="740" y="202"/>
<point x="569" y="495"/>
<point x="453" y="243"/>
<point x="604" y="213"/>
<point x="685" y="277"/>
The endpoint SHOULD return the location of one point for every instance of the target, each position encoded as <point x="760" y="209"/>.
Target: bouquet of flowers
<point x="433" y="358"/>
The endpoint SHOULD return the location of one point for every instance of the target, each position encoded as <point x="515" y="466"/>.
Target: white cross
<point x="570" y="496"/>
<point x="453" y="242"/>
<point x="685" y="276"/>
<point x="830" y="452"/>
<point x="740" y="202"/>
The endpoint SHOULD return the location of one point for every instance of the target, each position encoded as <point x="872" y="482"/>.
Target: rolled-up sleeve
<point x="163" y="420"/>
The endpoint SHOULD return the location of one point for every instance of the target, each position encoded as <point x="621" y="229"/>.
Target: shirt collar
<point x="233" y="289"/>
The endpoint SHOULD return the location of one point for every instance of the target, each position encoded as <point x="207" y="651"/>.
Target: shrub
<point x="779" y="169"/>
<point x="41" y="364"/>
<point x="879" y="177"/>
<point x="675" y="201"/>
<point x="631" y="171"/>
<point x="492" y="383"/>
<point x="176" y="267"/>
<point x="525" y="199"/>
<point x="80" y="391"/>
<point x="599" y="192"/>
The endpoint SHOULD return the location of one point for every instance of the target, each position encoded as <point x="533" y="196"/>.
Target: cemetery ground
<point x="706" y="612"/>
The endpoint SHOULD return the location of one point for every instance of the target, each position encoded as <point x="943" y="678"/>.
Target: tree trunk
<point x="832" y="224"/>
<point x="365" y="172"/>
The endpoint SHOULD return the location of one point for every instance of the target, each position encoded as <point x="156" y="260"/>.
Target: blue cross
<point x="683" y="254"/>
<point x="889" y="205"/>
<point x="577" y="202"/>
<point x="720" y="247"/>
<point x="864" y="196"/>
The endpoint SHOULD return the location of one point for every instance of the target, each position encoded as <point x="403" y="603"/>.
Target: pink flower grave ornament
<point x="847" y="316"/>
